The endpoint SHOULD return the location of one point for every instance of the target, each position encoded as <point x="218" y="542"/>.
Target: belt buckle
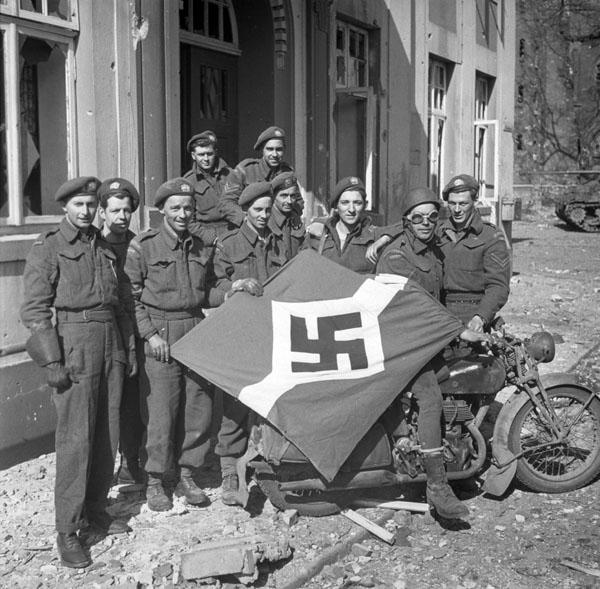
<point x="85" y="315"/>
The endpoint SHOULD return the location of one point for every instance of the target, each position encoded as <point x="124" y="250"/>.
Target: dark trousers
<point x="427" y="392"/>
<point x="131" y="424"/>
<point x="176" y="407"/>
<point x="87" y="430"/>
<point x="462" y="309"/>
<point x="233" y="435"/>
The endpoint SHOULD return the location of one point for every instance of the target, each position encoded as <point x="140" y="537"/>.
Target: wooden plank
<point x="376" y="530"/>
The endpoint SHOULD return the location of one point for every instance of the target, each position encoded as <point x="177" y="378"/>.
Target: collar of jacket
<point x="278" y="219"/>
<point x="171" y="238"/>
<point x="250" y="234"/>
<point x="475" y="225"/>
<point x="71" y="233"/>
<point x="356" y="229"/>
<point x="215" y="172"/>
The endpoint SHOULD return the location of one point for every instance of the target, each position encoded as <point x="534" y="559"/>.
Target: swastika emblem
<point x="326" y="346"/>
<point x="337" y="339"/>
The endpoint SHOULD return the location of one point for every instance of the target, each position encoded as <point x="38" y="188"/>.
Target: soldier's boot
<point x="71" y="552"/>
<point x="106" y="524"/>
<point x="229" y="489"/>
<point x="193" y="494"/>
<point x="156" y="497"/>
<point x="439" y="493"/>
<point x="130" y="472"/>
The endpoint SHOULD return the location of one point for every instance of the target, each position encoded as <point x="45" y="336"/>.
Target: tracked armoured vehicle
<point x="579" y="207"/>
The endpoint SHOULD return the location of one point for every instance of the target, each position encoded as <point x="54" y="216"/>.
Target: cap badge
<point x="185" y="188"/>
<point x="459" y="182"/>
<point x="91" y="186"/>
<point x="353" y="180"/>
<point x="115" y="186"/>
<point x="277" y="132"/>
<point x="211" y="137"/>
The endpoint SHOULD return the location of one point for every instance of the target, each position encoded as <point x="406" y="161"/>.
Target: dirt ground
<point x="520" y="540"/>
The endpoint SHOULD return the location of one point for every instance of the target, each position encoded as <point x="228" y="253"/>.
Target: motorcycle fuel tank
<point x="474" y="374"/>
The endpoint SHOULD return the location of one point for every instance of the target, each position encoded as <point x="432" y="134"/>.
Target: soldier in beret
<point x="71" y="269"/>
<point x="285" y="223"/>
<point x="348" y="232"/>
<point x="244" y="259"/>
<point x="271" y="146"/>
<point x="476" y="259"/>
<point x="208" y="176"/>
<point x="118" y="199"/>
<point x="171" y="280"/>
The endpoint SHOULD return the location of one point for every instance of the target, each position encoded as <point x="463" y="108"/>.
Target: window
<point x="485" y="162"/>
<point x="436" y="121"/>
<point x="37" y="137"/>
<point x="351" y="48"/>
<point x="210" y="23"/>
<point x="58" y="12"/>
<point x="355" y="112"/>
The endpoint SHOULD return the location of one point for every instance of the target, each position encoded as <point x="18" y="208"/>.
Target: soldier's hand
<point x="160" y="348"/>
<point x="373" y="250"/>
<point x="57" y="376"/>
<point x="132" y="365"/>
<point x="249" y="285"/>
<point x="472" y="336"/>
<point x="476" y="324"/>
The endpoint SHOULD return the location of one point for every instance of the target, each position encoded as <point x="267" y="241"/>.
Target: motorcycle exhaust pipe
<point x="385" y="478"/>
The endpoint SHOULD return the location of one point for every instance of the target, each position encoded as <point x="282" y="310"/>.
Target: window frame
<point x="192" y="38"/>
<point x="365" y="93"/>
<point x="12" y="29"/>
<point x="437" y="118"/>
<point x="13" y="8"/>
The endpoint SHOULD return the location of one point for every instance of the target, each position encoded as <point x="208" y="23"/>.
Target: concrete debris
<point x="289" y="517"/>
<point x="237" y="556"/>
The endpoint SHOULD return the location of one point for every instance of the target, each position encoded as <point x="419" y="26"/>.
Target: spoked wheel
<point x="308" y="503"/>
<point x="563" y="464"/>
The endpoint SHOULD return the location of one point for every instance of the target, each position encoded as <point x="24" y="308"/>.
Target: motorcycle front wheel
<point x="549" y="465"/>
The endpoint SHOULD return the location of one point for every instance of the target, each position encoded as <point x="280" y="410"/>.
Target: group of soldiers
<point x="120" y="301"/>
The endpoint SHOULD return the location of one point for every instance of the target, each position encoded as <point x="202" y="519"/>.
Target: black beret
<point x="270" y="133"/>
<point x="118" y="187"/>
<point x="254" y="191"/>
<point x="208" y="135"/>
<point x="284" y="180"/>
<point x="84" y="185"/>
<point x="347" y="183"/>
<point x="461" y="183"/>
<point x="175" y="186"/>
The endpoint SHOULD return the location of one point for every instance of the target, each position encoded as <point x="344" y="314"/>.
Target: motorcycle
<point x="546" y="435"/>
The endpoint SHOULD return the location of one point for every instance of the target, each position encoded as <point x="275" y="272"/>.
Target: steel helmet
<point x="541" y="346"/>
<point x="419" y="196"/>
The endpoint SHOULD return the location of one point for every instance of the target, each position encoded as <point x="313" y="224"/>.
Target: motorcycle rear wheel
<point x="566" y="466"/>
<point x="314" y="504"/>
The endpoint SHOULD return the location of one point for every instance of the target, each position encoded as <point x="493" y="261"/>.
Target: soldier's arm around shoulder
<point x="222" y="265"/>
<point x="40" y="279"/>
<point x="228" y="205"/>
<point x="136" y="270"/>
<point x="497" y="270"/>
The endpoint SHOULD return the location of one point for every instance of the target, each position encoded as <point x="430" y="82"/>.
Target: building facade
<point x="403" y="93"/>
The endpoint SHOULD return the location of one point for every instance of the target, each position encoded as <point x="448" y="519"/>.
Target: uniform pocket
<point x="162" y="274"/>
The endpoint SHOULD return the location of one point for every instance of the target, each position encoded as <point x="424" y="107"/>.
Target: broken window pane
<point x="43" y="123"/>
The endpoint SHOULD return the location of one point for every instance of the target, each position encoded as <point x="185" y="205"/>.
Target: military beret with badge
<point x="347" y="183"/>
<point x="283" y="181"/>
<point x="461" y="183"/>
<point x="80" y="186"/>
<point x="254" y="191"/>
<point x="173" y="187"/>
<point x="267" y="134"/>
<point x="120" y="188"/>
<point x="206" y="136"/>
